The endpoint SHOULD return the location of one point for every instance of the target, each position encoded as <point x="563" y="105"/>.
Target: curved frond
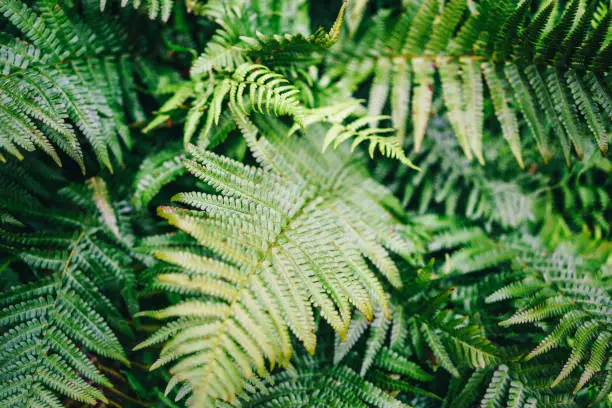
<point x="70" y="82"/>
<point x="289" y="239"/>
<point x="49" y="327"/>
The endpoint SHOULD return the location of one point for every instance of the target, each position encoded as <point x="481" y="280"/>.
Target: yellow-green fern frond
<point x="286" y="237"/>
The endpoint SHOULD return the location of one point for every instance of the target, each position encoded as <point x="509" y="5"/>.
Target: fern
<point x="511" y="386"/>
<point x="311" y="383"/>
<point x="421" y="322"/>
<point x="465" y="270"/>
<point x="568" y="292"/>
<point x="161" y="9"/>
<point x="49" y="325"/>
<point x="388" y="145"/>
<point x="275" y="281"/>
<point x="250" y="87"/>
<point x="62" y="78"/>
<point x="517" y="56"/>
<point x="449" y="181"/>
<point x="252" y="84"/>
<point x="229" y="49"/>
<point x="25" y="187"/>
<point x="155" y="172"/>
<point x="341" y="129"/>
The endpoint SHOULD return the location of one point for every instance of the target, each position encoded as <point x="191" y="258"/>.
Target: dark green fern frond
<point x="156" y="171"/>
<point x="515" y="385"/>
<point x="25" y="186"/>
<point x="63" y="78"/>
<point x="527" y="61"/>
<point x="249" y="68"/>
<point x="247" y="228"/>
<point x="311" y="383"/>
<point x="582" y="199"/>
<point x="234" y="43"/>
<point x="49" y="326"/>
<point x="154" y="9"/>
<point x="450" y="182"/>
<point x="453" y="342"/>
<point x="565" y="291"/>
<point x="386" y="360"/>
<point x="348" y="120"/>
<point x="422" y="323"/>
<point x="290" y="236"/>
<point x="382" y="139"/>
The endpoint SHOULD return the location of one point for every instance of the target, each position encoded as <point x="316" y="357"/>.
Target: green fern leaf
<point x="279" y="268"/>
<point x="75" y="82"/>
<point x="48" y="326"/>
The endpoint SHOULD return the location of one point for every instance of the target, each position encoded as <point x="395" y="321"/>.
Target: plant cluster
<point x="289" y="203"/>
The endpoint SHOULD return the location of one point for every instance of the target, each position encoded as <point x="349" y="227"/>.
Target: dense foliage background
<point x="292" y="203"/>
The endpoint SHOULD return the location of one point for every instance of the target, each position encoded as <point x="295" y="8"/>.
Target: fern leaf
<point x="74" y="81"/>
<point x="401" y="80"/>
<point x="589" y="110"/>
<point x="548" y="105"/>
<point x="421" y="26"/>
<point x="161" y="9"/>
<point x="267" y="93"/>
<point x="379" y="90"/>
<point x="504" y="111"/>
<point x="313" y="384"/>
<point x="395" y="363"/>
<point x="423" y="94"/>
<point x="453" y="97"/>
<point x="380" y="326"/>
<point x="286" y="271"/>
<point x="473" y="92"/>
<point x="438" y="349"/>
<point x="444" y="25"/>
<point x="565" y="109"/>
<point x="49" y="326"/>
<point x="497" y="388"/>
<point x="525" y="103"/>
<point x="389" y="146"/>
<point x="156" y="171"/>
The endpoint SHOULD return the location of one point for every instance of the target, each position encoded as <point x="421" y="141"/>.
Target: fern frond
<point x="450" y="182"/>
<point x="25" y="186"/>
<point x="155" y="172"/>
<point x="236" y="42"/>
<point x="514" y="385"/>
<point x="248" y="67"/>
<point x="508" y="45"/>
<point x="154" y="9"/>
<point x="387" y="145"/>
<point x="49" y="326"/>
<point x="72" y="79"/>
<point x="250" y="88"/>
<point x="428" y="326"/>
<point x="566" y="292"/>
<point x="312" y="384"/>
<point x="277" y="261"/>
